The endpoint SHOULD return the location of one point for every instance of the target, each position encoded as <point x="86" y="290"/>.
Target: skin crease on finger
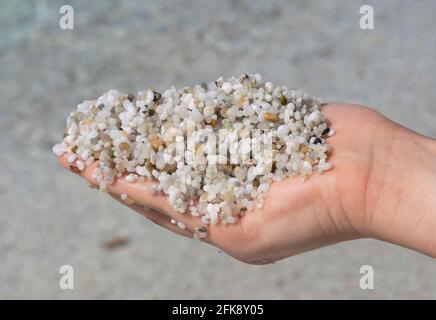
<point x="298" y="215"/>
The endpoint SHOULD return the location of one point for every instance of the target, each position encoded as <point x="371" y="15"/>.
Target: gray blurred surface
<point x="49" y="217"/>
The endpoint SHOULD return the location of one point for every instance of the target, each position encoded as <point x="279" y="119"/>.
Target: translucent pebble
<point x="315" y="117"/>
<point x="141" y="170"/>
<point x="263" y="187"/>
<point x="181" y="225"/>
<point x="149" y="97"/>
<point x="208" y="111"/>
<point x="80" y="165"/>
<point x="282" y="131"/>
<point x="324" y="166"/>
<point x="307" y="167"/>
<point x="227" y="87"/>
<point x="58" y="149"/>
<point x="131" y="178"/>
<point x="85" y="154"/>
<point x="251" y="174"/>
<point x="250" y="206"/>
<point x="331" y="132"/>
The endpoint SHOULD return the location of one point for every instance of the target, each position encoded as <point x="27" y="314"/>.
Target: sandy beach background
<point x="50" y="218"/>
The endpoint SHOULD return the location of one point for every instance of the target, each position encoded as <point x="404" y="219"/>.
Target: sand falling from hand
<point x="213" y="149"/>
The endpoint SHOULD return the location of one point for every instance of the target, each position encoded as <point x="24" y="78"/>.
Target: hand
<point x="340" y="204"/>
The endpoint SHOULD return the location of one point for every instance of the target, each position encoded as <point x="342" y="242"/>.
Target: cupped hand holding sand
<point x="380" y="187"/>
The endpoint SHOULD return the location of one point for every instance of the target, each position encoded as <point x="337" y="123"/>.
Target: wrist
<point x="401" y="204"/>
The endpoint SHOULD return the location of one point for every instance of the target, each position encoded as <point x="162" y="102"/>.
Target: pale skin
<point x="381" y="186"/>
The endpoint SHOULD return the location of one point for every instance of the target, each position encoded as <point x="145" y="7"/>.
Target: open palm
<point x="298" y="215"/>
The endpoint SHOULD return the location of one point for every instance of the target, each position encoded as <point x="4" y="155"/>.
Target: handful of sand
<point x="213" y="148"/>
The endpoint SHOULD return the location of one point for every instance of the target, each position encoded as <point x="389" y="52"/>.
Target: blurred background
<point x="49" y="217"/>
